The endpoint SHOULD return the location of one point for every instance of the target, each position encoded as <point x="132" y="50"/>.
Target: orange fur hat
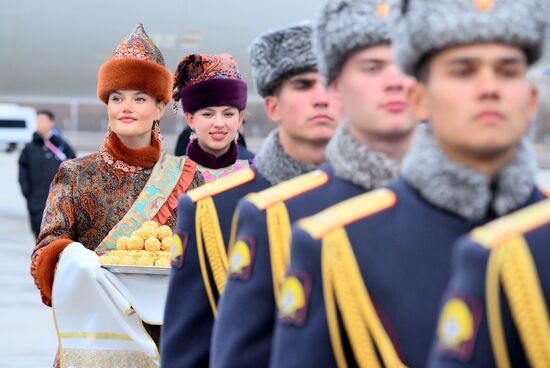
<point x="136" y="64"/>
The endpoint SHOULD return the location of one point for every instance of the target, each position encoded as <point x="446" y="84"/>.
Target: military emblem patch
<point x="457" y="326"/>
<point x="241" y="257"/>
<point x="295" y="292"/>
<point x="178" y="248"/>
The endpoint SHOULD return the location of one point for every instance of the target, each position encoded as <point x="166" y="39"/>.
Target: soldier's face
<point x="374" y="94"/>
<point x="304" y="110"/>
<point x="477" y="99"/>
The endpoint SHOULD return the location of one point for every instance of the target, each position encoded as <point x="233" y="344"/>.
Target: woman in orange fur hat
<point x="98" y="198"/>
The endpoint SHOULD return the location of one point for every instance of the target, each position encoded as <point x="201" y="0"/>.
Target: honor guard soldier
<point x="495" y="311"/>
<point x="358" y="66"/>
<point x="366" y="276"/>
<point x="296" y="100"/>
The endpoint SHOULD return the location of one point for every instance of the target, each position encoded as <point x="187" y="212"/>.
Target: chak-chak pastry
<point x="127" y="260"/>
<point x="162" y="262"/>
<point x="143" y="233"/>
<point x="106" y="259"/>
<point x="163" y="232"/>
<point x="150" y="224"/>
<point x="122" y="243"/>
<point x="166" y="244"/>
<point x="145" y="261"/>
<point x="136" y="242"/>
<point x="152" y="244"/>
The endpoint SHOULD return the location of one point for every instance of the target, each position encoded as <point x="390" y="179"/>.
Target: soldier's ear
<point x="335" y="90"/>
<point x="272" y="108"/>
<point x="533" y="102"/>
<point x="418" y="102"/>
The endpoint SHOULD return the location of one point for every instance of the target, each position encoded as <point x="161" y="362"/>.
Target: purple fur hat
<point x="209" y="80"/>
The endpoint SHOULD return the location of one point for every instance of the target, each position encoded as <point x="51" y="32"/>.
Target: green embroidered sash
<point x="164" y="177"/>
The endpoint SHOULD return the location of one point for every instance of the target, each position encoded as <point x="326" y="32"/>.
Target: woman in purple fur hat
<point x="213" y="96"/>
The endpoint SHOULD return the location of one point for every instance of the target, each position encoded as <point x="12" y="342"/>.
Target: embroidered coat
<point x="88" y="197"/>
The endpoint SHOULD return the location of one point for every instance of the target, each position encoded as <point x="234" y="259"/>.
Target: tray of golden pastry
<point x="147" y="251"/>
<point x="149" y="270"/>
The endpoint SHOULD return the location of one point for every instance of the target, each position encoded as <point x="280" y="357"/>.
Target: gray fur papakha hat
<point x="423" y="27"/>
<point x="345" y="26"/>
<point x="280" y="54"/>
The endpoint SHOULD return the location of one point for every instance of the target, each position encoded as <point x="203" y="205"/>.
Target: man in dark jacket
<point x="38" y="164"/>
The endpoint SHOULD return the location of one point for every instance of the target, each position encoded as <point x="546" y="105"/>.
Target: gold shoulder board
<point x="221" y="185"/>
<point x="348" y="211"/>
<point x="288" y="189"/>
<point x="498" y="231"/>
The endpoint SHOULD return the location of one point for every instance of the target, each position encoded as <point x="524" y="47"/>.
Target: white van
<point x="17" y="124"/>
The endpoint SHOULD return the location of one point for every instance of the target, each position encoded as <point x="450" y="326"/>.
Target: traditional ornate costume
<point x="97" y="198"/>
